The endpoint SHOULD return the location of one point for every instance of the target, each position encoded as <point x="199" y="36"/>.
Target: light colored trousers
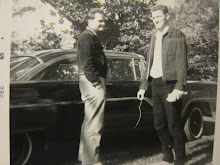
<point x="91" y="131"/>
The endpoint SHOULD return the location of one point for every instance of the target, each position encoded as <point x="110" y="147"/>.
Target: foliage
<point x="128" y="20"/>
<point x="46" y="39"/>
<point x="37" y="26"/>
<point x="199" y="20"/>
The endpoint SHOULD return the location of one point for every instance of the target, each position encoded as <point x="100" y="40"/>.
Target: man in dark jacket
<point x="93" y="72"/>
<point x="167" y="72"/>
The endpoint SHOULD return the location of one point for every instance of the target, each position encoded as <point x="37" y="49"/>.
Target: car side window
<point x="64" y="70"/>
<point x="120" y="69"/>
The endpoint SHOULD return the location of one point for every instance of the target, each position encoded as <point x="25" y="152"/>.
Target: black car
<point x="45" y="98"/>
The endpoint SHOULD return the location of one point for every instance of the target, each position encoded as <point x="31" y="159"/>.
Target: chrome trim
<point x="77" y="102"/>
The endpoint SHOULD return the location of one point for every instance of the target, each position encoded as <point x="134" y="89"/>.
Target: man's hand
<point x="140" y="94"/>
<point x="176" y="94"/>
<point x="98" y="86"/>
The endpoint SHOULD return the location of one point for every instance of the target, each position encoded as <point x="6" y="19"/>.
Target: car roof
<point x="122" y="54"/>
<point x="46" y="55"/>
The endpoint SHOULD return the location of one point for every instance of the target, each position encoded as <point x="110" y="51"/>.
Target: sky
<point x="29" y="22"/>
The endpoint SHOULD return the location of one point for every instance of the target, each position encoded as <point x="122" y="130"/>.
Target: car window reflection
<point x="120" y="69"/>
<point x="64" y="70"/>
<point x="20" y="66"/>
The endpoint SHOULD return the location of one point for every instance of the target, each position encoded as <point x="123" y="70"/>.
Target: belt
<point x="159" y="79"/>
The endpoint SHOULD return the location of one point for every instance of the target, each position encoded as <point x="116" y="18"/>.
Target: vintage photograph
<point x="113" y="82"/>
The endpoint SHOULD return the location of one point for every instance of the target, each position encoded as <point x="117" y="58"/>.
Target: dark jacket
<point x="174" y="58"/>
<point x="92" y="60"/>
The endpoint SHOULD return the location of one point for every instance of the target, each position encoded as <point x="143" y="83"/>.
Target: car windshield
<point x="22" y="64"/>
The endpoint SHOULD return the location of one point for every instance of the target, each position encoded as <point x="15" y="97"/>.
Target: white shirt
<point x="156" y="69"/>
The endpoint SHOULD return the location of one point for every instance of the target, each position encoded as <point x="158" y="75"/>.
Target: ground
<point x="125" y="148"/>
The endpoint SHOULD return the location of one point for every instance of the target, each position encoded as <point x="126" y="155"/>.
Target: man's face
<point x="159" y="19"/>
<point x="98" y="23"/>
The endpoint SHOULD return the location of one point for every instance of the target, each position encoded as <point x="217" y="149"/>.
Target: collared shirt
<point x="156" y="70"/>
<point x="89" y="28"/>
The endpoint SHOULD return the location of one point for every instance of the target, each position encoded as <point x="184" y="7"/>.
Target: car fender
<point x="210" y="102"/>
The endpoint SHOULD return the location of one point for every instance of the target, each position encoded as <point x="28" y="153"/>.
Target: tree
<point x="128" y="20"/>
<point x="199" y="20"/>
<point x="33" y="30"/>
<point x="44" y="40"/>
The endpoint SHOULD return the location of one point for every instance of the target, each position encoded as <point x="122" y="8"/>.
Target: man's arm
<point x="145" y="83"/>
<point x="143" y="87"/>
<point x="181" y="69"/>
<point x="181" y="62"/>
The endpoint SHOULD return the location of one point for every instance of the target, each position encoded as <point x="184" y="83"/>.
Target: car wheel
<point x="194" y="124"/>
<point x="21" y="148"/>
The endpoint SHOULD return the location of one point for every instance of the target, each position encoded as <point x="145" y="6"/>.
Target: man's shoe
<point x="181" y="162"/>
<point x="98" y="163"/>
<point x="168" y="158"/>
<point x="161" y="163"/>
<point x="95" y="164"/>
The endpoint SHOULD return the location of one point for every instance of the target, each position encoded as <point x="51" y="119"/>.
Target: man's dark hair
<point x="92" y="11"/>
<point x="163" y="8"/>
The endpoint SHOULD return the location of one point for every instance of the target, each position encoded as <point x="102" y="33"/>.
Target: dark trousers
<point x="91" y="131"/>
<point x="167" y="120"/>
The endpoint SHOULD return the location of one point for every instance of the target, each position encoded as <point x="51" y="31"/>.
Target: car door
<point x="123" y="81"/>
<point x="58" y="82"/>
